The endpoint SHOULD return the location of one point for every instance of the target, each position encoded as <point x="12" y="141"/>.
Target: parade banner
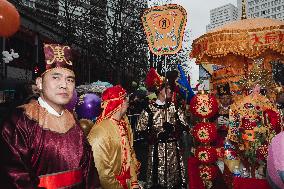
<point x="164" y="27"/>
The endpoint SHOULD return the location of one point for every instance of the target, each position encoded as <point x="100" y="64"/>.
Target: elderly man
<point x="42" y="145"/>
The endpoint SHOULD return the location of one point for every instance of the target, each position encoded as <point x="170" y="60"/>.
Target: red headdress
<point x="112" y="99"/>
<point x="153" y="80"/>
<point x="57" y="56"/>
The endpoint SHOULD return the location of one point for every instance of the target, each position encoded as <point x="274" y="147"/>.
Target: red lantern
<point x="208" y="172"/>
<point x="206" y="154"/>
<point x="204" y="105"/>
<point x="9" y="19"/>
<point x="205" y="132"/>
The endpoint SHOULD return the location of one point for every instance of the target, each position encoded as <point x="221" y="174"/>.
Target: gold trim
<point x="232" y="46"/>
<point x="54" y="68"/>
<point x="48" y="121"/>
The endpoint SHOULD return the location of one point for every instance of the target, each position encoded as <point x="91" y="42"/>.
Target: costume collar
<point x="160" y="103"/>
<point x="50" y="110"/>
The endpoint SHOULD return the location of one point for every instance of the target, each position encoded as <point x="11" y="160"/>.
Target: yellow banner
<point x="164" y="27"/>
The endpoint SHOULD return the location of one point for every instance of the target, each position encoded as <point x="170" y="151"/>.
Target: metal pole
<point x="89" y="63"/>
<point x="166" y="69"/>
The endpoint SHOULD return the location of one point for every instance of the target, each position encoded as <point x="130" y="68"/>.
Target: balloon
<point x="275" y="161"/>
<point x="72" y="104"/>
<point x="86" y="125"/>
<point x="9" y="19"/>
<point x="89" y="106"/>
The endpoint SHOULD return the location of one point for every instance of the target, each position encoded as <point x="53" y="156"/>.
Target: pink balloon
<point x="73" y="102"/>
<point x="275" y="161"/>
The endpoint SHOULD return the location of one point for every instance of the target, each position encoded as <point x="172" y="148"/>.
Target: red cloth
<point x="195" y="181"/>
<point x="123" y="177"/>
<point x="250" y="183"/>
<point x="60" y="180"/>
<point x="153" y="80"/>
<point x="112" y="98"/>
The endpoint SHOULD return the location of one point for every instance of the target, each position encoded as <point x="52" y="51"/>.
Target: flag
<point x="184" y="86"/>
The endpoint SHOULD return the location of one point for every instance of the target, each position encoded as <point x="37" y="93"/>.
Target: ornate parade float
<point x="245" y="51"/>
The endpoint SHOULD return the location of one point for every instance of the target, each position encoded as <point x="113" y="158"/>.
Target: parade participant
<point x="161" y="123"/>
<point x="225" y="100"/>
<point x="112" y="142"/>
<point x="42" y="145"/>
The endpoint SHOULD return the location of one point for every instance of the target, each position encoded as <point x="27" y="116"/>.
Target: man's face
<point x="57" y="86"/>
<point x="225" y="100"/>
<point x="166" y="91"/>
<point x="124" y="107"/>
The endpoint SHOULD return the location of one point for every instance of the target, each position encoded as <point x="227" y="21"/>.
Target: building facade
<point x="263" y="9"/>
<point x="221" y="15"/>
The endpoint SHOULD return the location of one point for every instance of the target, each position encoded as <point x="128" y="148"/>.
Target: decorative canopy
<point x="240" y="41"/>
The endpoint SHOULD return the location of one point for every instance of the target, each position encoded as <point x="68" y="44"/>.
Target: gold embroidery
<point x="58" y="54"/>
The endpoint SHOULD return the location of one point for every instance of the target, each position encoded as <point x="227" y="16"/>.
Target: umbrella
<point x="240" y="42"/>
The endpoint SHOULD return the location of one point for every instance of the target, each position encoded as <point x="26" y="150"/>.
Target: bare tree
<point x="107" y="35"/>
<point x="125" y="41"/>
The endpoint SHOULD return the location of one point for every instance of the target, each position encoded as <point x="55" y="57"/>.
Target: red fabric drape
<point x="195" y="181"/>
<point x="250" y="183"/>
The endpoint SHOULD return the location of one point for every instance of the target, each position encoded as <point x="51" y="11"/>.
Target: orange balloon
<point x="86" y="125"/>
<point x="9" y="19"/>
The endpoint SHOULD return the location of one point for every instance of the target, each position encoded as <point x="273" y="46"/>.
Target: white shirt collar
<point x="160" y="102"/>
<point x="50" y="110"/>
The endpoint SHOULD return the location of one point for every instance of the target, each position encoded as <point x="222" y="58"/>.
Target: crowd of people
<point x="43" y="145"/>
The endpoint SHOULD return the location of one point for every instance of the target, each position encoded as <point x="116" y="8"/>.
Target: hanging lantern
<point x="206" y="154"/>
<point x="208" y="172"/>
<point x="204" y="105"/>
<point x="9" y="19"/>
<point x="205" y="132"/>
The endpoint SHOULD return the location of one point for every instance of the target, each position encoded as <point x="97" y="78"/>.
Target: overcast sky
<point x="198" y="16"/>
<point x="198" y="13"/>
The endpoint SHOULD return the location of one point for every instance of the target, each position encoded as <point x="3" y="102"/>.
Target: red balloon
<point x="9" y="19"/>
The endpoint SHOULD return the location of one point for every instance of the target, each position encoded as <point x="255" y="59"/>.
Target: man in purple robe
<point x="41" y="143"/>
